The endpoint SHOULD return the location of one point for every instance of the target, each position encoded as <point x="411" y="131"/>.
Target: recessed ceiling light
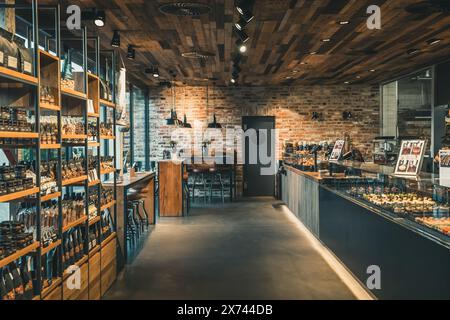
<point x="233" y="80"/>
<point x="347" y="82"/>
<point x="326" y="40"/>
<point x="373" y="70"/>
<point x="288" y="78"/>
<point x="313" y="53"/>
<point x="303" y="63"/>
<point x="432" y="42"/>
<point x="358" y="77"/>
<point x="412" y="51"/>
<point x="294" y="71"/>
<point x="343" y="22"/>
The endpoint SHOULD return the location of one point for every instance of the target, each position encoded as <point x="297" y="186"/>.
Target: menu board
<point x="410" y="159"/>
<point x="337" y="150"/>
<point x="444" y="168"/>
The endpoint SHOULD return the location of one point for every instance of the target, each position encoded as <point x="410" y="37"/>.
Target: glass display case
<point x="419" y="203"/>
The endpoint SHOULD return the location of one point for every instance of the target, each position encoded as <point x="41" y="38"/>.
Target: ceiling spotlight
<point x="373" y="70"/>
<point x="358" y="77"/>
<point x="115" y="42"/>
<point x="326" y="40"/>
<point x="412" y="51"/>
<point x="233" y="81"/>
<point x="432" y="42"/>
<point x="347" y="82"/>
<point x="303" y="63"/>
<point x="241" y="35"/>
<point x="343" y="22"/>
<point x="100" y="18"/>
<point x="241" y="46"/>
<point x="240" y="25"/>
<point x="131" y="54"/>
<point x="236" y="68"/>
<point x="313" y="53"/>
<point x="155" y="72"/>
<point x="288" y="78"/>
<point x="245" y="13"/>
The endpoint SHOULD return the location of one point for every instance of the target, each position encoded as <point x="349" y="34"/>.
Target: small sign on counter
<point x="409" y="162"/>
<point x="444" y="168"/>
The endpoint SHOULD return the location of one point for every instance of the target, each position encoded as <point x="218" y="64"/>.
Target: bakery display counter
<point x="368" y="216"/>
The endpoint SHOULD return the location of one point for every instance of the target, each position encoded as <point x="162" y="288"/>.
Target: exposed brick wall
<point x="292" y="107"/>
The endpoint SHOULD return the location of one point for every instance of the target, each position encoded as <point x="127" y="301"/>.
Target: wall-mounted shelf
<point x="48" y="106"/>
<point x="50" y="146"/>
<point x="15" y="76"/>
<point x="107" y="104"/>
<point x="74" y="136"/>
<point x="50" y="196"/>
<point x="108" y="171"/>
<point x="75" y="223"/>
<point x="107" y="137"/>
<point x="18" y="135"/>
<point x="19" y="254"/>
<point x="74" y="180"/>
<point x="94" y="220"/>
<point x="108" y="205"/>
<point x="19" y="195"/>
<point x="50" y="247"/>
<point x="73" y="93"/>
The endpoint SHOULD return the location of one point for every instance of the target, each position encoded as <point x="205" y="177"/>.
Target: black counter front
<point x="413" y="263"/>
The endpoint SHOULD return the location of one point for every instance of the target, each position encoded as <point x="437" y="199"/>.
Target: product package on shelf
<point x="16" y="178"/>
<point x="92" y="131"/>
<point x="49" y="183"/>
<point x="49" y="130"/>
<point x="49" y="268"/>
<point x="48" y="95"/>
<point x="16" y="119"/>
<point x="73" y="168"/>
<point x="106" y="129"/>
<point x="93" y="174"/>
<point x="73" y="208"/>
<point x="73" y="246"/>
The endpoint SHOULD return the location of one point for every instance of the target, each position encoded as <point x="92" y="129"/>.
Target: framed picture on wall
<point x="337" y="150"/>
<point x="410" y="159"/>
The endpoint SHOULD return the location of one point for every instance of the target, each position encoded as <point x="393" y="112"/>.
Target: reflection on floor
<point x="242" y="250"/>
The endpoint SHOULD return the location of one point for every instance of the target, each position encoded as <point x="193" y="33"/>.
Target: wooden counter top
<point x="128" y="181"/>
<point x="312" y="175"/>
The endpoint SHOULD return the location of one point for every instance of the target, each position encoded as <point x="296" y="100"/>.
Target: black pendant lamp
<point x="186" y="124"/>
<point x="214" y="124"/>
<point x="173" y="120"/>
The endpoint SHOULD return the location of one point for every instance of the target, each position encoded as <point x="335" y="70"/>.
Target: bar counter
<point x="414" y="260"/>
<point x="142" y="185"/>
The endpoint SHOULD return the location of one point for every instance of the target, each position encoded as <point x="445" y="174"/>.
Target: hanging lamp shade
<point x="214" y="124"/>
<point x="186" y="124"/>
<point x="173" y="120"/>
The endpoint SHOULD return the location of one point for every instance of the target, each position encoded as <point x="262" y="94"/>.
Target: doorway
<point x="257" y="183"/>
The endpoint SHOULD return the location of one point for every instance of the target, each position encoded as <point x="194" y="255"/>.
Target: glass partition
<point x="407" y="107"/>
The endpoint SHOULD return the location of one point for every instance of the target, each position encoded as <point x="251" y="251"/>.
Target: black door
<point x="259" y="175"/>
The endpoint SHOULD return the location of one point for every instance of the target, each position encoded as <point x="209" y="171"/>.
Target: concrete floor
<point x="242" y="250"/>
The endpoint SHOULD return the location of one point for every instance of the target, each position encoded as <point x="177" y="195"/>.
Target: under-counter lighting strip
<point x="346" y="277"/>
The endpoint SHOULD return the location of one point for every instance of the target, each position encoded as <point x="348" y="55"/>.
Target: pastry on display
<point x="402" y="203"/>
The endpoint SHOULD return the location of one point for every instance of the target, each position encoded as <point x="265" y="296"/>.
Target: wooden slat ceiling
<point x="282" y="35"/>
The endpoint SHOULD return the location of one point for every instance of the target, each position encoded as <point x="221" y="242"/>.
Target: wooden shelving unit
<point x="107" y="137"/>
<point x="50" y="99"/>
